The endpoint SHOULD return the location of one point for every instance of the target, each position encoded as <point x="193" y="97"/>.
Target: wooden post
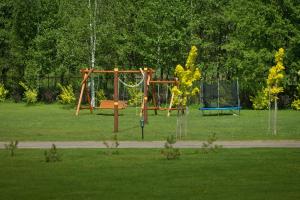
<point x="116" y="100"/>
<point x="153" y="92"/>
<point x="81" y="93"/>
<point x="145" y="96"/>
<point x="154" y="99"/>
<point x="172" y="98"/>
<point x="170" y="106"/>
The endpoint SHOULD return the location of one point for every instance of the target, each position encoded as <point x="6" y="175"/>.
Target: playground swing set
<point x="116" y="104"/>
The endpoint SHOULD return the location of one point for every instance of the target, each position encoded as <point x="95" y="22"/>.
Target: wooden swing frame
<point x="117" y="104"/>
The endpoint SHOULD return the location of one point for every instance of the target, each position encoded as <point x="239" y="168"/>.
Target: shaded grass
<point x="54" y="122"/>
<point x="144" y="174"/>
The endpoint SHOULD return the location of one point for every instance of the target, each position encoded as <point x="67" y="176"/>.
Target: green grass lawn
<point x="53" y="122"/>
<point x="144" y="174"/>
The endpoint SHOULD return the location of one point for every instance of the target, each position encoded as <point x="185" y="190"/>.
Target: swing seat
<point x="109" y="104"/>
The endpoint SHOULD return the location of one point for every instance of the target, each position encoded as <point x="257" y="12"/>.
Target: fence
<point x="48" y="90"/>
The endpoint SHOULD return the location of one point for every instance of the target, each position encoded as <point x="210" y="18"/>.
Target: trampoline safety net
<point x="220" y="94"/>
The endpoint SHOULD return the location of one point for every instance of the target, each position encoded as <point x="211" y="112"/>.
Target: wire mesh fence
<point x="222" y="94"/>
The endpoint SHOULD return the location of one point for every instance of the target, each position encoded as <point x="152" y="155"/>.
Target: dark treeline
<point x="235" y="38"/>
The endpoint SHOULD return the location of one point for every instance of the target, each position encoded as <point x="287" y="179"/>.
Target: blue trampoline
<point x="220" y="96"/>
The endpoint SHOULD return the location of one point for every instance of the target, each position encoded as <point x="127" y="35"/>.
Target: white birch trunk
<point x="93" y="47"/>
<point x="275" y="117"/>
<point x="270" y="104"/>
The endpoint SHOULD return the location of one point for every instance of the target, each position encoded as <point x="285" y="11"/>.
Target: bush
<point x="260" y="101"/>
<point x="100" y="95"/>
<point x="52" y="155"/>
<point x="3" y="92"/>
<point x="169" y="151"/>
<point x="11" y="147"/>
<point x="67" y="95"/>
<point x="30" y="95"/>
<point x="209" y="146"/>
<point x="135" y="96"/>
<point x="296" y="103"/>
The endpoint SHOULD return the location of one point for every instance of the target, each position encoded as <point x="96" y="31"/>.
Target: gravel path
<point x="157" y="144"/>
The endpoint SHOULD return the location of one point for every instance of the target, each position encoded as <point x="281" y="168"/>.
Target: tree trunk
<point x="270" y="104"/>
<point x="275" y="117"/>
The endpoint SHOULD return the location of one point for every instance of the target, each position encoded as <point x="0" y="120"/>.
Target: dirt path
<point x="157" y="144"/>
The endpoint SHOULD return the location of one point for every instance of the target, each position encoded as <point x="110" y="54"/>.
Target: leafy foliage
<point x="296" y="103"/>
<point x="11" y="147"/>
<point x="51" y="37"/>
<point x="52" y="154"/>
<point x="67" y="95"/>
<point x="260" y="101"/>
<point x="273" y="88"/>
<point x="3" y="92"/>
<point x="169" y="151"/>
<point x="187" y="76"/>
<point x="30" y="94"/>
<point x="135" y="96"/>
<point x="275" y="76"/>
<point x="100" y="95"/>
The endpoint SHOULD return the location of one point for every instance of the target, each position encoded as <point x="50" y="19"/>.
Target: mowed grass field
<point x="56" y="123"/>
<point x="144" y="174"/>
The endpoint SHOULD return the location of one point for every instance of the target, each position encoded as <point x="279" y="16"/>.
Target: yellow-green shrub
<point x="260" y="101"/>
<point x="67" y="95"/>
<point x="296" y="104"/>
<point x="3" y="92"/>
<point x="100" y="95"/>
<point x="30" y="95"/>
<point x="135" y="96"/>
<point x="275" y="76"/>
<point x="186" y="75"/>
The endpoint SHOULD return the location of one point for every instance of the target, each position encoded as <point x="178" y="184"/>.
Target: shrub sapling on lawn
<point x="209" y="145"/>
<point x="182" y="92"/>
<point x="112" y="148"/>
<point x="52" y="154"/>
<point x="169" y="151"/>
<point x="11" y="147"/>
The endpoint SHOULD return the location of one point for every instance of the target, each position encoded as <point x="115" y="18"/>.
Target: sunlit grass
<point x="54" y="122"/>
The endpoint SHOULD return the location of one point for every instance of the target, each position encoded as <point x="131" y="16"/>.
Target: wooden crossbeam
<point x="112" y="71"/>
<point x="163" y="81"/>
<point x="88" y="73"/>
